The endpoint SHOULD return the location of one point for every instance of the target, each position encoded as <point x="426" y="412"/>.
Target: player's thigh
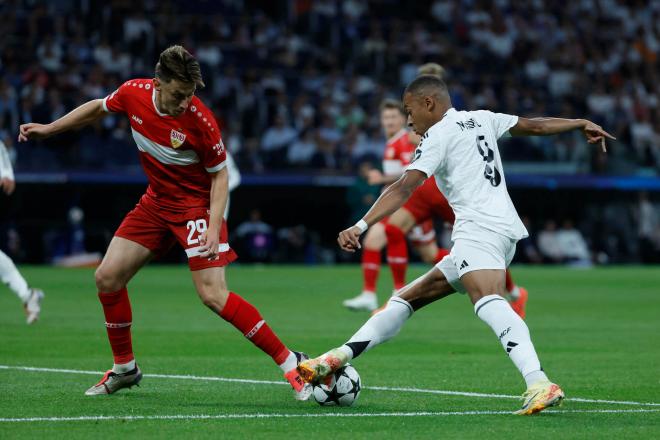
<point x="427" y="251"/>
<point x="120" y="263"/>
<point x="375" y="238"/>
<point x="211" y="287"/>
<point x="430" y="287"/>
<point x="402" y="219"/>
<point x="484" y="282"/>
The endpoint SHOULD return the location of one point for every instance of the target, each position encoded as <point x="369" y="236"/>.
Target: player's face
<point x="174" y="96"/>
<point x="392" y="121"/>
<point x="419" y="116"/>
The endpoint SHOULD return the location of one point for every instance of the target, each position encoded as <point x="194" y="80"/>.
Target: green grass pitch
<point x="597" y="333"/>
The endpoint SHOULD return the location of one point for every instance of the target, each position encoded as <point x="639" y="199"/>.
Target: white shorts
<point x="483" y="249"/>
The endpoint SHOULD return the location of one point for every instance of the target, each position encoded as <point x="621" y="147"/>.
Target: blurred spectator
<point x="573" y="248"/>
<point x="276" y="141"/>
<point x="648" y="229"/>
<point x="254" y="239"/>
<point x="548" y="243"/>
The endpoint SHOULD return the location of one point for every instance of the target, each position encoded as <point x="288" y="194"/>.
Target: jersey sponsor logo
<point x="405" y="157"/>
<point x="177" y="138"/>
<point x="219" y="147"/>
<point x="136" y="119"/>
<point x="389" y="153"/>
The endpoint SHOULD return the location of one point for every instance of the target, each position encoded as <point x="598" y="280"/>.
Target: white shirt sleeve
<point x="6" y="170"/>
<point x="234" y="173"/>
<point x="429" y="155"/>
<point x="501" y="123"/>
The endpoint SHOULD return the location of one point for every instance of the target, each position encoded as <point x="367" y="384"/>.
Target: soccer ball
<point x="343" y="389"/>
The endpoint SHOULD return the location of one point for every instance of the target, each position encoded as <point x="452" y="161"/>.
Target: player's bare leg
<point x="212" y="290"/>
<point x="121" y="262"/>
<point x="374" y="242"/>
<point x="486" y="289"/>
<point x="381" y="327"/>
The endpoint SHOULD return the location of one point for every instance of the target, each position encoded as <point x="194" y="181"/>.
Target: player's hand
<point x="374" y="177"/>
<point x="595" y="133"/>
<point x="209" y="239"/>
<point x="349" y="239"/>
<point x="7" y="185"/>
<point x="32" y="131"/>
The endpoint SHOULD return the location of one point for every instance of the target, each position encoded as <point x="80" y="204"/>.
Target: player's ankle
<point x="124" y="367"/>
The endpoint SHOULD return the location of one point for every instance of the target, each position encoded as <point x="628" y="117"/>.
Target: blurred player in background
<point x="30" y="297"/>
<point x="425" y="204"/>
<point x="459" y="150"/>
<point x="399" y="149"/>
<point x="234" y="180"/>
<point x="185" y="161"/>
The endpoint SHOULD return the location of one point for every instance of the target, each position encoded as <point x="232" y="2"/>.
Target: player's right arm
<point x="389" y="201"/>
<point x="549" y="126"/>
<point x="86" y="114"/>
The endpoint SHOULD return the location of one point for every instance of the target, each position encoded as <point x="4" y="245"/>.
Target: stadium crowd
<point x="296" y="86"/>
<point x="296" y="83"/>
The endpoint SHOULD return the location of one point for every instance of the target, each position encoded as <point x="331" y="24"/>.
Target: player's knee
<point x="106" y="280"/>
<point x="213" y="296"/>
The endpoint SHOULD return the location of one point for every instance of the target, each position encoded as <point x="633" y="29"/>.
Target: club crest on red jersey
<point x="177" y="138"/>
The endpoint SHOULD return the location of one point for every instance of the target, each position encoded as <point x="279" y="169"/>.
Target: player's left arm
<point x="210" y="239"/>
<point x="549" y="126"/>
<point x="389" y="201"/>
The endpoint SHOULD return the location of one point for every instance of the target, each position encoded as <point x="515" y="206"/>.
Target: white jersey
<point x="461" y="152"/>
<point x="6" y="170"/>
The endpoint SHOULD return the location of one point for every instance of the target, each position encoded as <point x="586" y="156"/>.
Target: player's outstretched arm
<point x="86" y="114"/>
<point x="389" y="201"/>
<point x="211" y="237"/>
<point x="549" y="126"/>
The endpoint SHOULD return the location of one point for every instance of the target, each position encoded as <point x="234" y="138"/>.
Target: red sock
<point x="442" y="253"/>
<point x="370" y="269"/>
<point x="397" y="254"/>
<point x="118" y="320"/>
<point x="509" y="281"/>
<point x="246" y="318"/>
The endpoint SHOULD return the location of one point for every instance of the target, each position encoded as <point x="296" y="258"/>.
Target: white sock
<point x="513" y="334"/>
<point x="290" y="363"/>
<point x="381" y="327"/>
<point x="12" y="277"/>
<point x="123" y="368"/>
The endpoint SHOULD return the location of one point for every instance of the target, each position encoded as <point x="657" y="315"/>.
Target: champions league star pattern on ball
<point x="343" y="388"/>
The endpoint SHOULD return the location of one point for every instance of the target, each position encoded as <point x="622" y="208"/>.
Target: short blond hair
<point x="392" y="104"/>
<point x="176" y="62"/>
<point x="434" y="69"/>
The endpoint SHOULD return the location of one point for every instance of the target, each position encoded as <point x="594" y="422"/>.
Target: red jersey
<point x="398" y="153"/>
<point x="177" y="153"/>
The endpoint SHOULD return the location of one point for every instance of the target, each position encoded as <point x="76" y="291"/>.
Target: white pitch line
<point x="375" y="388"/>
<point x="307" y="416"/>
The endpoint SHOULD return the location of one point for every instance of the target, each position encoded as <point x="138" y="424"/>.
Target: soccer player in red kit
<point x="183" y="156"/>
<point x="401" y="144"/>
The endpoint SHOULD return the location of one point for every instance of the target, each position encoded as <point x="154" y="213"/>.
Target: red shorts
<point x="427" y="203"/>
<point x="422" y="234"/>
<point x="158" y="230"/>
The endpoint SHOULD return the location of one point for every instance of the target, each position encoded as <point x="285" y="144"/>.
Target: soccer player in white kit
<point x="459" y="148"/>
<point x="31" y="298"/>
